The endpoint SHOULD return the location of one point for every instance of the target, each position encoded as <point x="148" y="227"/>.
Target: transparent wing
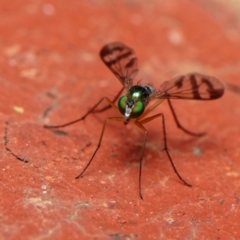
<point x="121" y="60"/>
<point x="191" y="86"/>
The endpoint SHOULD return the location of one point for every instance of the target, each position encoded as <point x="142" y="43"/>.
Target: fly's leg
<point x="85" y="115"/>
<point x="178" y="123"/>
<point x="99" y="142"/>
<point x="140" y="125"/>
<point x="109" y="105"/>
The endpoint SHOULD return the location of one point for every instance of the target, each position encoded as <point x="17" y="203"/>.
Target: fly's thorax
<point x="133" y="104"/>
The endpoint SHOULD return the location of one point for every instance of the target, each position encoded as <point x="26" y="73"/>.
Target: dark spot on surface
<point x="121" y="236"/>
<point x="59" y="132"/>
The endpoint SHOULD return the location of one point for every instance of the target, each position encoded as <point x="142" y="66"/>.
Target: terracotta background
<point x="51" y="73"/>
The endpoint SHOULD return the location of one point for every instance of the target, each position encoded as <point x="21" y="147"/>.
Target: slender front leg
<point x="108" y="106"/>
<point x="140" y="125"/>
<point x="178" y="123"/>
<point x="88" y="112"/>
<point x="99" y="142"/>
<point x="141" y="158"/>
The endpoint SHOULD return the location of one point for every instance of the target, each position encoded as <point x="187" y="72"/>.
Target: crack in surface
<point x="6" y="141"/>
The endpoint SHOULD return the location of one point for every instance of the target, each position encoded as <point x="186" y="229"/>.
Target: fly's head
<point x="132" y="105"/>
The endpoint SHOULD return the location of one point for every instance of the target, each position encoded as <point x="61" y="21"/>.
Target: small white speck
<point x="170" y="221"/>
<point x="175" y="37"/>
<point x="18" y="109"/>
<point x="197" y="151"/>
<point x="48" y="9"/>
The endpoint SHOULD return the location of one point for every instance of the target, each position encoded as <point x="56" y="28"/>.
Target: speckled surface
<point x="51" y="73"/>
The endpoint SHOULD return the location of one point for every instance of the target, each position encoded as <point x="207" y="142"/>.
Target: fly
<point x="134" y="105"/>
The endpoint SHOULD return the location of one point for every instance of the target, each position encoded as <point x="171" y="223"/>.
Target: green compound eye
<point x="122" y="104"/>
<point x="137" y="110"/>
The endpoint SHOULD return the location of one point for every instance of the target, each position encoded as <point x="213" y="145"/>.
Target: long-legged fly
<point x="135" y="104"/>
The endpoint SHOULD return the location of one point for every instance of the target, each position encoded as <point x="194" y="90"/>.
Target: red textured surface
<point x="50" y="68"/>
